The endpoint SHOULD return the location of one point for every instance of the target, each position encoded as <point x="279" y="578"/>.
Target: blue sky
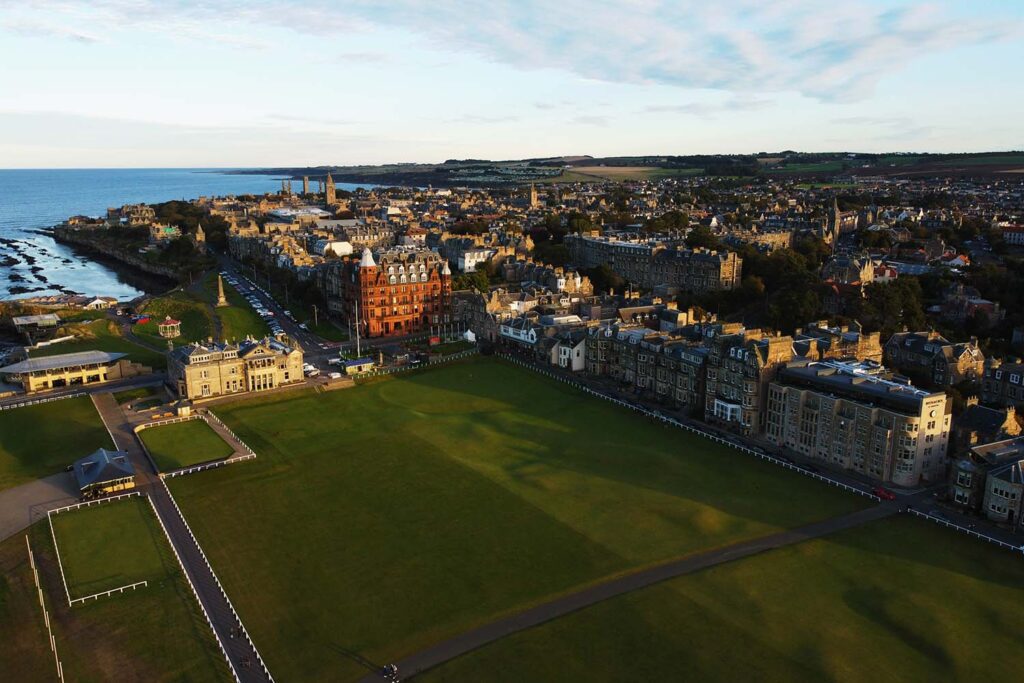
<point x="131" y="83"/>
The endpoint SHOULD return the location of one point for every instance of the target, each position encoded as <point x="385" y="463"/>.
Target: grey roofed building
<point x="41" y="320"/>
<point x="102" y="468"/>
<point x="65" y="360"/>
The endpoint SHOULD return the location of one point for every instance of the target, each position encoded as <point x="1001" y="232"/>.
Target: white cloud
<point x="835" y="52"/>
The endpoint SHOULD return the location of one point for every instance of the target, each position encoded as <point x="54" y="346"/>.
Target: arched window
<point x="392" y="279"/>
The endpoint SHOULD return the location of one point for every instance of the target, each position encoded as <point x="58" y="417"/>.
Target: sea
<point x="33" y="264"/>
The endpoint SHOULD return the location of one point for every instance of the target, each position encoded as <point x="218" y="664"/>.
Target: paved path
<point x="24" y="505"/>
<point x="229" y="630"/>
<point x="567" y="604"/>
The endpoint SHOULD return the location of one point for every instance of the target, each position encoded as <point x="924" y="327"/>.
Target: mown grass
<point x="183" y="444"/>
<point x="417" y="507"/>
<point x="196" y="322"/>
<point x="104" y="335"/>
<point x="899" y="600"/>
<point x="40" y="440"/>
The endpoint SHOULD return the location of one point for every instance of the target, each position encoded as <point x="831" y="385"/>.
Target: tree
<point x="701" y="236"/>
<point x="604" y="278"/>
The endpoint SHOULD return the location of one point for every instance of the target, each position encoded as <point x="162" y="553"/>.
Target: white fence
<point x="969" y="532"/>
<point x="247" y="453"/>
<point x="191" y="585"/>
<point x="690" y="428"/>
<point x="36" y="401"/>
<point x="234" y="613"/>
<point x="98" y="501"/>
<point x="207" y="466"/>
<point x="122" y="589"/>
<point x="46" y="614"/>
<point x="56" y="550"/>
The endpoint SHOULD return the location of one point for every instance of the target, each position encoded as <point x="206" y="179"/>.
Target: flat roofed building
<point x="71" y="369"/>
<point x="201" y="371"/>
<point x="856" y="416"/>
<point x="104" y="472"/>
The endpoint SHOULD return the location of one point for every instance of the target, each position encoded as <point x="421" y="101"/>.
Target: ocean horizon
<point x="31" y="200"/>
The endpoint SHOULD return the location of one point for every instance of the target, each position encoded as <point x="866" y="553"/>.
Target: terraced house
<point x="649" y="262"/>
<point x="1002" y="383"/>
<point x="930" y="358"/>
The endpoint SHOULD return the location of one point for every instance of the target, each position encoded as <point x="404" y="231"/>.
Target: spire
<point x="367" y="260"/>
<point x="446" y="270"/>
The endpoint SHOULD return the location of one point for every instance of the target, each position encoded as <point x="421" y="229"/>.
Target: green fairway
<point x="419" y="506"/>
<point x="185" y="443"/>
<point x="897" y="600"/>
<point x="40" y="440"/>
<point x="104" y="335"/>
<point x="107" y="546"/>
<point x="156" y="633"/>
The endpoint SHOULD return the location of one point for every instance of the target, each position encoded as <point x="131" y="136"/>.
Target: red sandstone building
<point x="401" y="291"/>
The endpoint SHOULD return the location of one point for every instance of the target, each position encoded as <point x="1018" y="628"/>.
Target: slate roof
<point x="102" y="466"/>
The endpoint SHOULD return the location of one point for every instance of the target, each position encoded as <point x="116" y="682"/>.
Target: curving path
<point x="566" y="604"/>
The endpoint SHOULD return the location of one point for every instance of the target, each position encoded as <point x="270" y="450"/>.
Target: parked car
<point x="883" y="493"/>
<point x="335" y="375"/>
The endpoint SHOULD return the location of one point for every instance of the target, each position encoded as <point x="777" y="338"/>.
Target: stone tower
<point x="534" y="202"/>
<point x="305" y="184"/>
<point x="329" y="197"/>
<point x="222" y="300"/>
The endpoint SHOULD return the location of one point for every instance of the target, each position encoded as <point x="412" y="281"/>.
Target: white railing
<point x="46" y="614"/>
<point x="122" y="589"/>
<point x="191" y="585"/>
<point x="690" y="428"/>
<point x="246" y="452"/>
<point x="97" y="501"/>
<point x="207" y="465"/>
<point x="53" y="534"/>
<point x="969" y="532"/>
<point x="244" y="631"/>
<point x="35" y="401"/>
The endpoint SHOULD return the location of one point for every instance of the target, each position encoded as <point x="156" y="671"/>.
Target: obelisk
<point x="221" y="299"/>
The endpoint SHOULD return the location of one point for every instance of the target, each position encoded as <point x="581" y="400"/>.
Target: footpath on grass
<point x="482" y="635"/>
<point x="231" y="635"/>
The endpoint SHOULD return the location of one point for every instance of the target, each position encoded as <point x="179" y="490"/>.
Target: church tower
<point x="305" y="184"/>
<point x="329" y="196"/>
<point x="534" y="201"/>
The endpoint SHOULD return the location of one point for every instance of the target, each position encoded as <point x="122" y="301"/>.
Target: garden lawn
<point x="196" y="323"/>
<point x="184" y="443"/>
<point x="108" y="546"/>
<point x="896" y="600"/>
<point x="104" y="335"/>
<point x="418" y="506"/>
<point x="156" y="633"/>
<point x="40" y="440"/>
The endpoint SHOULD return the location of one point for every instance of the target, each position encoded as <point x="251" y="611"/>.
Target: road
<point x="228" y="629"/>
<point x="24" y="505"/>
<point x="488" y="633"/>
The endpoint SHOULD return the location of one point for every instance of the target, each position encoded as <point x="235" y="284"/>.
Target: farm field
<point x="435" y="501"/>
<point x="156" y="633"/>
<point x="899" y="599"/>
<point x="184" y="443"/>
<point x="104" y="335"/>
<point x="40" y="440"/>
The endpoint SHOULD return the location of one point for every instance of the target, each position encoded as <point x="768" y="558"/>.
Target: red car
<point x="884" y="494"/>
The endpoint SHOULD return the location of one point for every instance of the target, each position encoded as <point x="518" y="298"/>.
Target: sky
<point x="250" y="83"/>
